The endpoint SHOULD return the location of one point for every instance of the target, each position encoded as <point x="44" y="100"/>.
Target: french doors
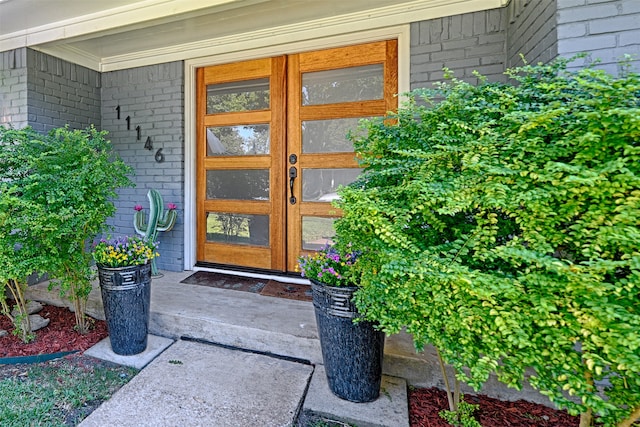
<point x="272" y="149"/>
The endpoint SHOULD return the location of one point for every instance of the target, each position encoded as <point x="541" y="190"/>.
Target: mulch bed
<point x="425" y="403"/>
<point x="58" y="336"/>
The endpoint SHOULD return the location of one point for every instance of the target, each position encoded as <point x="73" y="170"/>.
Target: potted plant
<point x="352" y="349"/>
<point x="124" y="273"/>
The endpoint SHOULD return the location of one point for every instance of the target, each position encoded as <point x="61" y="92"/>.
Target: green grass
<point x="308" y="420"/>
<point x="59" y="393"/>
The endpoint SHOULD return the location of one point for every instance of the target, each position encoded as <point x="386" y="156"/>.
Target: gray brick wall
<point x="61" y="93"/>
<point x="153" y="98"/>
<point x="13" y="88"/>
<point x="607" y="30"/>
<point x="463" y="43"/>
<point x="531" y="31"/>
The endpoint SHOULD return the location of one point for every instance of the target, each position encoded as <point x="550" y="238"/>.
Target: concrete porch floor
<point x="274" y="326"/>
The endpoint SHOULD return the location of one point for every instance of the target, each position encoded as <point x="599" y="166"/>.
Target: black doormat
<point x="226" y="281"/>
<point x="287" y="290"/>
<point x="271" y="288"/>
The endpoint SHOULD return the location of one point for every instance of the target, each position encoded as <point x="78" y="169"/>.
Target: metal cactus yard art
<point x="159" y="220"/>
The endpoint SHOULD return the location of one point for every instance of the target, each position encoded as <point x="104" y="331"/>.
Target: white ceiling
<point x="106" y="34"/>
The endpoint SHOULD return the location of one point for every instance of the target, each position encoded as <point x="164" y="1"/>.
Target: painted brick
<point x="448" y="54"/>
<point x="574" y="29"/>
<point x="435" y="30"/>
<point x="463" y="63"/>
<point x="486" y="49"/>
<point x="492" y="38"/>
<point x="630" y="7"/>
<point x="13" y="89"/>
<point x="489" y="70"/>
<point x="589" y="43"/>
<point x="414" y="34"/>
<point x="528" y="30"/>
<point x="614" y="24"/>
<point x="623" y="28"/>
<point x="467" y="25"/>
<point x="479" y="23"/>
<point x="586" y="13"/>
<point x="629" y="38"/>
<point x="458" y="42"/>
<point x="65" y="101"/>
<point x="455" y="27"/>
<point x="428" y="66"/>
<point x="495" y="21"/>
<point x="153" y="97"/>
<point x="493" y="60"/>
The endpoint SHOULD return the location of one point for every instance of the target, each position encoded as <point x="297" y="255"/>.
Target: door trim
<point x="401" y="33"/>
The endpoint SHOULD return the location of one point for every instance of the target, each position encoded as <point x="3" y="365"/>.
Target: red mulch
<point x="58" y="336"/>
<point x="425" y="403"/>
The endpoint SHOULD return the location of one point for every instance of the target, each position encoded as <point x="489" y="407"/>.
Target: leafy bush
<point x="57" y="190"/>
<point x="500" y="223"/>
<point x="22" y="222"/>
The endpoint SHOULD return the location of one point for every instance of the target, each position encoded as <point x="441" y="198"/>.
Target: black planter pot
<point x="352" y="352"/>
<point x="126" y="297"/>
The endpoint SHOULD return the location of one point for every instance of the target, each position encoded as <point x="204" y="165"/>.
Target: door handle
<point x="293" y="174"/>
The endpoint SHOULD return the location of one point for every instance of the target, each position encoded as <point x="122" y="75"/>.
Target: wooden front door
<point x="272" y="149"/>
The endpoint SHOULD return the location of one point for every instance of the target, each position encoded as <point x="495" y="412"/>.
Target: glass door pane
<point x="343" y="85"/>
<point x="321" y="185"/>
<point x="322" y="136"/>
<point x="238" y="184"/>
<point x="238" y="229"/>
<point x="244" y="95"/>
<point x="239" y="140"/>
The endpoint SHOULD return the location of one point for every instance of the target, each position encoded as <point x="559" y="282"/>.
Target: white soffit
<point x="156" y="31"/>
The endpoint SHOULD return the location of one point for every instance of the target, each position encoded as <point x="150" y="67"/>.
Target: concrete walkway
<point x="222" y="357"/>
<point x="193" y="384"/>
<point x="198" y="384"/>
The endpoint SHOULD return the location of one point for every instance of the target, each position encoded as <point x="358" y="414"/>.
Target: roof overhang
<point x="120" y="34"/>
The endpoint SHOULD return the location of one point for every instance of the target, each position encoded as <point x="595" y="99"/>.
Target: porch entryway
<point x="272" y="149"/>
<point x="243" y="341"/>
<point x="236" y="321"/>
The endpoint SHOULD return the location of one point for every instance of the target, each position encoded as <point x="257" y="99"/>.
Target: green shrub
<point x="58" y="191"/>
<point x="500" y="223"/>
<point x="21" y="253"/>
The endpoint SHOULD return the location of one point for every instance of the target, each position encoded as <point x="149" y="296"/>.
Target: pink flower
<point x="171" y="206"/>
<point x="138" y="207"/>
